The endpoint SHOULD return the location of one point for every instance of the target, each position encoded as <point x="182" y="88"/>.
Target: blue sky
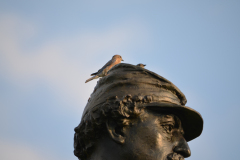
<point x="49" y="48"/>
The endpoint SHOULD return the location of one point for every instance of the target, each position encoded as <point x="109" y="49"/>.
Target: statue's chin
<point x="174" y="156"/>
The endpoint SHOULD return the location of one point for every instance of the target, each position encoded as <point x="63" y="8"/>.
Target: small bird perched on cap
<point x="141" y="65"/>
<point x="103" y="71"/>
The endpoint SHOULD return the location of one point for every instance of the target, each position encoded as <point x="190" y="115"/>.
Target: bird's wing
<point x="107" y="64"/>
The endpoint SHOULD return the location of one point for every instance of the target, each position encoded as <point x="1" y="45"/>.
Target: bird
<point x="104" y="70"/>
<point x="141" y="65"/>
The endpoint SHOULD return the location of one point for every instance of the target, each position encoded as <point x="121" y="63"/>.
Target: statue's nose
<point x="182" y="148"/>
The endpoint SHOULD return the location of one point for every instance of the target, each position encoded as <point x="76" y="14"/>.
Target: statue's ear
<point x="115" y="131"/>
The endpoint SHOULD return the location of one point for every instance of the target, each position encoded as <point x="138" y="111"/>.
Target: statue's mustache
<point x="175" y="156"/>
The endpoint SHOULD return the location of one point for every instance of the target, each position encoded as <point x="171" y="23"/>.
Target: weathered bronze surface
<point x="135" y="114"/>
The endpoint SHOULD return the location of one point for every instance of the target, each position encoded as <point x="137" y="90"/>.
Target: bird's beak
<point x="122" y="60"/>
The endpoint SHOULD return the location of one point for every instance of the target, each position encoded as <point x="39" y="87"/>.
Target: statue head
<point x="135" y="114"/>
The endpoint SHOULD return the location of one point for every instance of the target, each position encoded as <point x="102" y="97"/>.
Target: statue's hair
<point x="122" y="111"/>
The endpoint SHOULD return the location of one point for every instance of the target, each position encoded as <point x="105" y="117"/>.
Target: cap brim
<point x="192" y="121"/>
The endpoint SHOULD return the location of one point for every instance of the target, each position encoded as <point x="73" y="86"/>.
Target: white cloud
<point x="64" y="63"/>
<point x="13" y="151"/>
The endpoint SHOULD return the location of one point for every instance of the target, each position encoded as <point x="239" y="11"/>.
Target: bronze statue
<point x="135" y="114"/>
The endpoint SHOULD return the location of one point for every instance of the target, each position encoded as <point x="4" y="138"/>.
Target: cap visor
<point x="192" y="121"/>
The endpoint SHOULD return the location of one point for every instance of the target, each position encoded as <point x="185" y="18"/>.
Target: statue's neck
<point x="106" y="149"/>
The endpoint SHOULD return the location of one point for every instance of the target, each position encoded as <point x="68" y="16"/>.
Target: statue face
<point x="156" y="136"/>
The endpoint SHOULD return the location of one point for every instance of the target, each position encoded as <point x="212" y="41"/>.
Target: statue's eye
<point x="168" y="127"/>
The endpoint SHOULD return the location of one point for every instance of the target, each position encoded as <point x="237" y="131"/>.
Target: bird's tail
<point x="94" y="77"/>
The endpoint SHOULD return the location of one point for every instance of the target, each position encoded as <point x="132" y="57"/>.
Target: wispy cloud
<point x="64" y="63"/>
<point x="13" y="151"/>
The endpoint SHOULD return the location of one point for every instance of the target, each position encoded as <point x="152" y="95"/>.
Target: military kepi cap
<point x="126" y="79"/>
